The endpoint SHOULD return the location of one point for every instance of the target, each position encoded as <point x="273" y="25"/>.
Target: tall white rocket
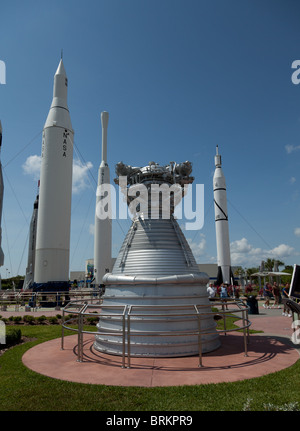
<point x="103" y="229"/>
<point x="221" y="222"/>
<point x="1" y="202"/>
<point x="31" y="246"/>
<point x="54" y="214"/>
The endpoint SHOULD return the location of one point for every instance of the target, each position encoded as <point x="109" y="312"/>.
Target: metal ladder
<point x="128" y="244"/>
<point x="178" y="233"/>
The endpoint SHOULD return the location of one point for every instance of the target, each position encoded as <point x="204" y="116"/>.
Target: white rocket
<point x="31" y="246"/>
<point x="103" y="229"/>
<point x="54" y="217"/>
<point x="1" y="202"/>
<point x="221" y="222"/>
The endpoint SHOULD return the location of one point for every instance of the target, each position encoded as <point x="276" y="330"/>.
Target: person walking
<point x="224" y="294"/>
<point x="211" y="291"/>
<point x="285" y="296"/>
<point x="276" y="294"/>
<point x="267" y="295"/>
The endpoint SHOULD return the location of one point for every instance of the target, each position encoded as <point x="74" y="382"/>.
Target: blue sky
<point x="178" y="77"/>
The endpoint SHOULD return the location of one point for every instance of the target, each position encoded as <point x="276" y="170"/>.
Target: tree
<point x="270" y="263"/>
<point x="287" y="278"/>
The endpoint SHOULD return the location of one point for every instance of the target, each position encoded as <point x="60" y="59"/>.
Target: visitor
<point x="285" y="296"/>
<point x="236" y="291"/>
<point x="267" y="295"/>
<point x="211" y="291"/>
<point x="276" y="294"/>
<point x="224" y="293"/>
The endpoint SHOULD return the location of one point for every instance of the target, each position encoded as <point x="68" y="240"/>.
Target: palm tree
<point x="270" y="264"/>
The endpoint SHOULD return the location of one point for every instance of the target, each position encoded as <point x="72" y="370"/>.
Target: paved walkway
<point x="37" y="313"/>
<point x="267" y="353"/>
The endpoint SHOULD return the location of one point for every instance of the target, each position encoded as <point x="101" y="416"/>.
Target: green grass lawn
<point x="24" y="390"/>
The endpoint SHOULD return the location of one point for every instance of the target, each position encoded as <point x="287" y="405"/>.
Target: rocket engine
<point x="156" y="267"/>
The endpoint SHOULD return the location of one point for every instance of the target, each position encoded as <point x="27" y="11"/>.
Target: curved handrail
<point x="127" y="313"/>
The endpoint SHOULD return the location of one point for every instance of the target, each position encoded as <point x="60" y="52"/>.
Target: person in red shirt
<point x="276" y="294"/>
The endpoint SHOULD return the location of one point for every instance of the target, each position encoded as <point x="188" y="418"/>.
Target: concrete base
<point x="267" y="354"/>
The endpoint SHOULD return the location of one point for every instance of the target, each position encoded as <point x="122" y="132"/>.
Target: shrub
<point x="92" y="320"/>
<point x="29" y="319"/>
<point x="248" y="289"/>
<point x="71" y="316"/>
<point x="13" y="336"/>
<point x="17" y="319"/>
<point x="41" y="319"/>
<point x="53" y="320"/>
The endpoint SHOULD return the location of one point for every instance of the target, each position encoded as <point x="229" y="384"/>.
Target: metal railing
<point x="35" y="300"/>
<point x="163" y="317"/>
<point x="81" y="310"/>
<point x="126" y="315"/>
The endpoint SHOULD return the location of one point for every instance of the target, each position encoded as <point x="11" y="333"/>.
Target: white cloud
<point x="282" y="251"/>
<point x="92" y="229"/>
<point x="198" y="248"/>
<point x="240" y="246"/>
<point x="297" y="231"/>
<point x="80" y="176"/>
<point x="292" y="180"/>
<point x="243" y="253"/>
<point x="291" y="148"/>
<point x="32" y="166"/>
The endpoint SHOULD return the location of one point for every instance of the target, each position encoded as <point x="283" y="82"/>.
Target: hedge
<point x="13" y="336"/>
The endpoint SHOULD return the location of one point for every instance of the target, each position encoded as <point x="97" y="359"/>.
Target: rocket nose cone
<point x="61" y="69"/>
<point x="60" y="87"/>
<point x="104" y="119"/>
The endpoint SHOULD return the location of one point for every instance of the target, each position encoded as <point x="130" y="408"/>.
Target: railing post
<point x="248" y="330"/>
<point x="79" y="356"/>
<point x="34" y="300"/>
<point x="199" y="340"/>
<point x="17" y="296"/>
<point x="62" y="330"/>
<point x="245" y="334"/>
<point x="124" y="336"/>
<point x="128" y="339"/>
<point x="224" y="319"/>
